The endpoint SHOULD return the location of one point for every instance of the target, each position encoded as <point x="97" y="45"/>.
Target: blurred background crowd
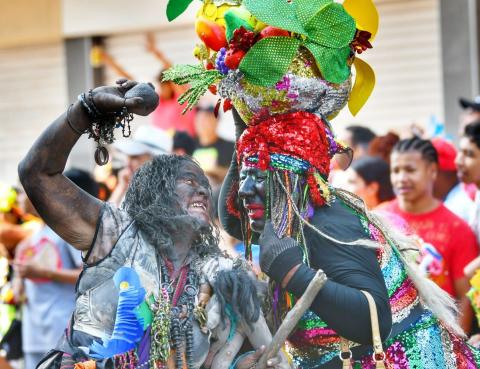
<point x="416" y="143"/>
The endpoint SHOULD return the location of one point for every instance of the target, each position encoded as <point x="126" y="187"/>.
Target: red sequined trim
<point x="315" y="194"/>
<point x="301" y="135"/>
<point x="232" y="200"/>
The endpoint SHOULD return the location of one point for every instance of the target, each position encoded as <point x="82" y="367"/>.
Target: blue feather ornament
<point x="128" y="328"/>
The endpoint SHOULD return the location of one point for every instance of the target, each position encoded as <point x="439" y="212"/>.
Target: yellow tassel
<point x="363" y="87"/>
<point x="475" y="280"/>
<point x="365" y="14"/>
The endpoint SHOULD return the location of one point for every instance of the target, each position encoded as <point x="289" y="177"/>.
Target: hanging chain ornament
<point x="104" y="124"/>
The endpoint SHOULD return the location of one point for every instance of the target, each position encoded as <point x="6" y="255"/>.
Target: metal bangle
<point x="71" y="125"/>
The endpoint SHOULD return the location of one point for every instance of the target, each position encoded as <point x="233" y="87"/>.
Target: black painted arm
<point x="68" y="210"/>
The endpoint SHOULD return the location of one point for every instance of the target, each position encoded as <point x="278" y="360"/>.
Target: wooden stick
<point x="292" y="318"/>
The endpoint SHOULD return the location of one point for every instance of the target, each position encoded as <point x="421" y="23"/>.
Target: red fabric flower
<point x="361" y="41"/>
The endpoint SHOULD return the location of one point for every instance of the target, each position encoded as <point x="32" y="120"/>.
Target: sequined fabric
<point x="423" y="344"/>
<point x="298" y="141"/>
<point x="301" y="89"/>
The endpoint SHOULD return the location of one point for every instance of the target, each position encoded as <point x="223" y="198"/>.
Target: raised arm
<point x="68" y="210"/>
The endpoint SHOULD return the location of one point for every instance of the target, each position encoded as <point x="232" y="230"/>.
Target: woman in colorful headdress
<point x="286" y="68"/>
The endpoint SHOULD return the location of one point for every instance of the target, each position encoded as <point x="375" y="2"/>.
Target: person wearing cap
<point x="470" y="113"/>
<point x="447" y="186"/>
<point x="147" y="142"/>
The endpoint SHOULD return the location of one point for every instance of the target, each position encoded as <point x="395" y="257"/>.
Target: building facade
<point x="41" y="77"/>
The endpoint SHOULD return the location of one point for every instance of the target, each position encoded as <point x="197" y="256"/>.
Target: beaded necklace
<point x="173" y="316"/>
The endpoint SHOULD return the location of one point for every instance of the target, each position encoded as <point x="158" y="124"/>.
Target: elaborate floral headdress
<point x="285" y="65"/>
<point x="270" y="57"/>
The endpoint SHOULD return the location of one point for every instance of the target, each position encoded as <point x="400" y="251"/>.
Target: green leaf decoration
<point x="176" y="8"/>
<point x="277" y="13"/>
<point x="197" y="76"/>
<point x="325" y="27"/>
<point x="331" y="62"/>
<point x="233" y="22"/>
<point x="268" y="60"/>
<point x="307" y="9"/>
<point x="332" y="27"/>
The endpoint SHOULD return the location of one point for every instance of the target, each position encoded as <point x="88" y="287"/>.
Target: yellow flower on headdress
<point x="214" y="12"/>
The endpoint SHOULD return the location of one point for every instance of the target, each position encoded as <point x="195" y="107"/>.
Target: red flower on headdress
<point x="361" y="41"/>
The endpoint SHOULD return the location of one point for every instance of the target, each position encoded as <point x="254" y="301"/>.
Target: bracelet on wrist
<point x="92" y="104"/>
<point x="69" y="122"/>
<point x="86" y="106"/>
<point x="103" y="125"/>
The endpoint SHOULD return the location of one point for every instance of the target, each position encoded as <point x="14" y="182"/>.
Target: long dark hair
<point x="374" y="169"/>
<point x="152" y="202"/>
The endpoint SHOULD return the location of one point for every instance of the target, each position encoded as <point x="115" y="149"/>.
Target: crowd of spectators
<point x="425" y="186"/>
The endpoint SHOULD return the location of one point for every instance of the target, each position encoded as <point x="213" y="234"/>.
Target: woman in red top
<point x="449" y="244"/>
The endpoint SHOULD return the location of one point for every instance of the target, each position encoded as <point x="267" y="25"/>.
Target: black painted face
<point x="252" y="193"/>
<point x="193" y="191"/>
